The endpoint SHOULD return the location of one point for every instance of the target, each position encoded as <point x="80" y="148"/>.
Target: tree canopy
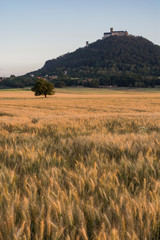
<point x="43" y="87"/>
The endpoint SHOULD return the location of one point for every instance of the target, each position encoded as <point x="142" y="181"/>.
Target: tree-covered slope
<point x="126" y="61"/>
<point x="114" y="54"/>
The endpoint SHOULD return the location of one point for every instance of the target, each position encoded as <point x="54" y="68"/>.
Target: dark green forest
<point x="125" y="61"/>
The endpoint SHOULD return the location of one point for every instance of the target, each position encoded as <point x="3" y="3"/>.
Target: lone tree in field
<point x="42" y="87"/>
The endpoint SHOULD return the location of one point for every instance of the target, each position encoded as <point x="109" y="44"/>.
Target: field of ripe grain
<point x="80" y="165"/>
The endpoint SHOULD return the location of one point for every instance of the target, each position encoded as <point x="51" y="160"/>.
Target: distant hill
<point x="127" y="53"/>
<point x="121" y="61"/>
<point x="113" y="58"/>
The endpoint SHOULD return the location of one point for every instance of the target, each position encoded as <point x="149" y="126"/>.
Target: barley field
<point x="80" y="165"/>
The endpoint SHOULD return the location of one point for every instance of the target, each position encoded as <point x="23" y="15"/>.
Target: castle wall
<point x="118" y="33"/>
<point x="115" y="33"/>
<point x="107" y="35"/>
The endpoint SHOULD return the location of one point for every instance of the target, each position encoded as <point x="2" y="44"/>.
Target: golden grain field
<point x="80" y="166"/>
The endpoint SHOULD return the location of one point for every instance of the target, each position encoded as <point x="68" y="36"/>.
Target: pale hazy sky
<point x="33" y="31"/>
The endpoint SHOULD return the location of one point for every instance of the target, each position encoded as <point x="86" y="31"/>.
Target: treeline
<point x="18" y="82"/>
<point x="119" y="80"/>
<point x="123" y="80"/>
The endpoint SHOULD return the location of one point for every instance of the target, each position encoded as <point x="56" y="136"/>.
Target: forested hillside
<point x="115" y="54"/>
<point x="121" y="61"/>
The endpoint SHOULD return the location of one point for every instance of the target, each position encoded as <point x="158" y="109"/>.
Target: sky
<point x="34" y="31"/>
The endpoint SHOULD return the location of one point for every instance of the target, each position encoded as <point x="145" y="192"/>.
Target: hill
<point x="121" y="61"/>
<point x="127" y="53"/>
<point x="124" y="61"/>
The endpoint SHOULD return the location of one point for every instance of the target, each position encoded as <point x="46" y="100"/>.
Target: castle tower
<point x="111" y="30"/>
<point x="87" y="43"/>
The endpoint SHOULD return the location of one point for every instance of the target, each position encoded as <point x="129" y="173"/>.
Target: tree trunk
<point x="45" y="95"/>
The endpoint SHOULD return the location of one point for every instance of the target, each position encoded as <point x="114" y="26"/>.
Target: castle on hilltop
<point x="114" y="33"/>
